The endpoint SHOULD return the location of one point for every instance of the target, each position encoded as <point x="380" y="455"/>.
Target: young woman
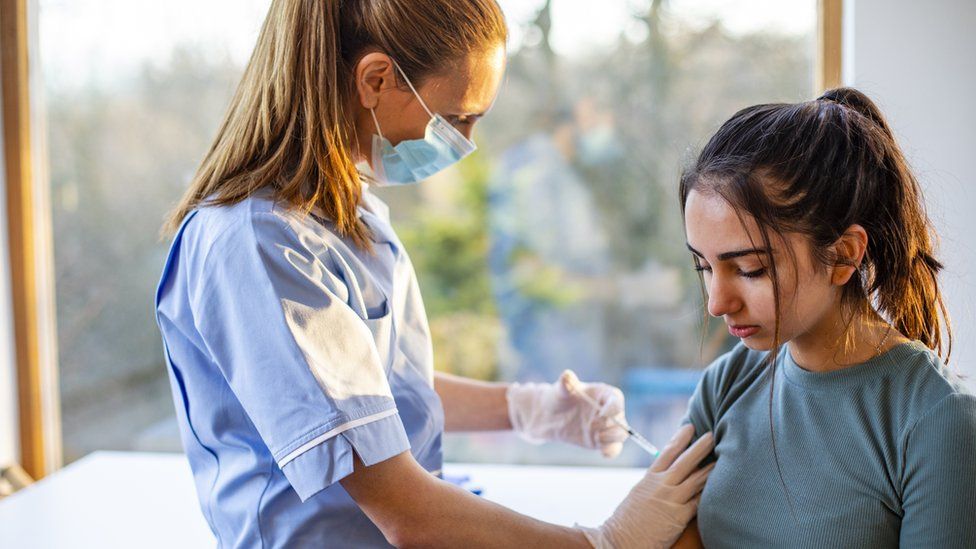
<point x="296" y="339"/>
<point x="837" y="424"/>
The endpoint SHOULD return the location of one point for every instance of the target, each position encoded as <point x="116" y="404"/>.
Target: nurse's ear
<point x="849" y="251"/>
<point x="374" y="74"/>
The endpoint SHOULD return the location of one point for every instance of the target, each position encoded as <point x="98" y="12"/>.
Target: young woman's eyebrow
<point x="725" y="256"/>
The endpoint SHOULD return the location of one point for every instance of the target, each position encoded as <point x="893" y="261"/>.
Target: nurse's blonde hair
<point x="290" y="125"/>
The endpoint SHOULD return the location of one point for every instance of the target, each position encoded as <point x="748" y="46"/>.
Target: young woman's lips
<point x="743" y="332"/>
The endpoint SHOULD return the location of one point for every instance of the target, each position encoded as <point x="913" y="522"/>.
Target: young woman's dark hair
<point x="816" y="168"/>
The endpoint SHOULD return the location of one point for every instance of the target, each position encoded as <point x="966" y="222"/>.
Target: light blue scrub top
<point x="289" y="349"/>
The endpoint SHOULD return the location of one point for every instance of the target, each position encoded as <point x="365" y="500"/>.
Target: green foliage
<point x="543" y="284"/>
<point x="449" y="250"/>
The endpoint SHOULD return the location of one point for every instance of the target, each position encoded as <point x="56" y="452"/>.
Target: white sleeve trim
<point x="333" y="432"/>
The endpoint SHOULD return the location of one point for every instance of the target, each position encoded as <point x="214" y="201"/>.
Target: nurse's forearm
<point x="415" y="509"/>
<point x="471" y="405"/>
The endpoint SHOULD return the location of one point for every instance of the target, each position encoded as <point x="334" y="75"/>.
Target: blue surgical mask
<point x="415" y="159"/>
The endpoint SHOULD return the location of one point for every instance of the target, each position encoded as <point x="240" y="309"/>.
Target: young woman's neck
<point x="823" y="348"/>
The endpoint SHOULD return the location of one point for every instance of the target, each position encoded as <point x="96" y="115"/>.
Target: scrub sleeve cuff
<point x="331" y="460"/>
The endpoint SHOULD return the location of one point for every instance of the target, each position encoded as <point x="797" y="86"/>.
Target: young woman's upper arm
<point x="705" y="403"/>
<point x="701" y="406"/>
<point x="939" y="481"/>
<point x="690" y="538"/>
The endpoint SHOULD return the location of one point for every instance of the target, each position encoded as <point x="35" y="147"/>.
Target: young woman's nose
<point x="722" y="297"/>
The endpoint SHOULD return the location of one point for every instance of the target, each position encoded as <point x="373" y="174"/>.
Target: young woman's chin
<point x="758" y="342"/>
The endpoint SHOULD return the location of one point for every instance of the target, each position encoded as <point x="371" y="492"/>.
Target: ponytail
<point x="905" y="270"/>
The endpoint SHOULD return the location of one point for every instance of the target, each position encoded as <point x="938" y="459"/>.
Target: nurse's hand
<point x="659" y="507"/>
<point x="541" y="412"/>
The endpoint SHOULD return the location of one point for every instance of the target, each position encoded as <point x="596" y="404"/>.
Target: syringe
<point x="572" y="384"/>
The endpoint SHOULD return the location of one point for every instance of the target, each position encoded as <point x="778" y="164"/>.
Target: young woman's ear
<point x="850" y="249"/>
<point x="374" y="73"/>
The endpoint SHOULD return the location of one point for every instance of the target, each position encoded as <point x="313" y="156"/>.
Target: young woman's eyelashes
<point x="756" y="273"/>
<point x="736" y="256"/>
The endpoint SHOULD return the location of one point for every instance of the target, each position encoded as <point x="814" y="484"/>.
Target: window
<point x="133" y="94"/>
<point x="558" y="245"/>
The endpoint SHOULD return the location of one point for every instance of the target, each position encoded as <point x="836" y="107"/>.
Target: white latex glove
<point x="549" y="411"/>
<point x="658" y="508"/>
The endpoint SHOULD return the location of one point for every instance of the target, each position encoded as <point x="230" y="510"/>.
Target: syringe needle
<point x="572" y="384"/>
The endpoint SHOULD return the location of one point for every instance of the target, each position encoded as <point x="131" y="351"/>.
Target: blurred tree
<point x="449" y="250"/>
<point x="119" y="158"/>
<point x="639" y="108"/>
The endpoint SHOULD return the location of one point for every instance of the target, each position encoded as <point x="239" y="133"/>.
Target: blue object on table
<point x="464" y="481"/>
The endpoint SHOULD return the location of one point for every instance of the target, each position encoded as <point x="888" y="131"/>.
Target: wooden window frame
<point x="29" y="227"/>
<point x="30" y="248"/>
<point x="828" y="66"/>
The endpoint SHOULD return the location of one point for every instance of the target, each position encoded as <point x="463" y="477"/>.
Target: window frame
<point x="29" y="246"/>
<point x="828" y="63"/>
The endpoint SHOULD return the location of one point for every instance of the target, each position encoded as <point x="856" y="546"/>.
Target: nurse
<point x="298" y="347"/>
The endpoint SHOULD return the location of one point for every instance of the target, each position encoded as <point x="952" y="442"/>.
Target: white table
<point x="147" y="500"/>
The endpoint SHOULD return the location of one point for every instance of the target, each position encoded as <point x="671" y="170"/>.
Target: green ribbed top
<point x="880" y="454"/>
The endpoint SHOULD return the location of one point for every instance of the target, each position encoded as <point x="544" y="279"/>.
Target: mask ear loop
<point x="414" y="90"/>
<point x="377" y="122"/>
<point x="466" y="143"/>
